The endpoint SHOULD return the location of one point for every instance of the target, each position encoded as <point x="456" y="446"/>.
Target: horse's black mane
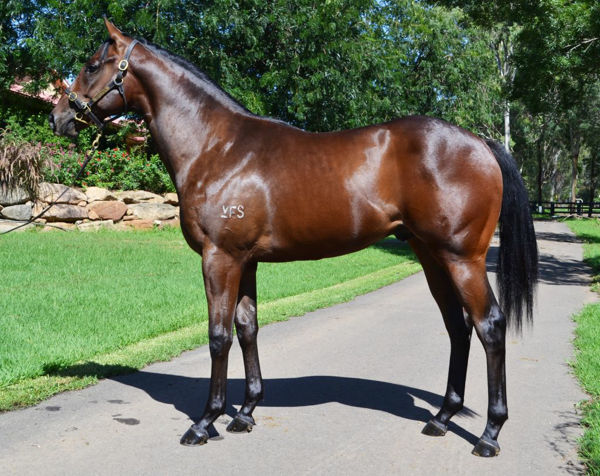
<point x="213" y="88"/>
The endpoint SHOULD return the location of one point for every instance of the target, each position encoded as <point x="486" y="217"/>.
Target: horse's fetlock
<point x="454" y="402"/>
<point x="255" y="390"/>
<point x="217" y="406"/>
<point x="498" y="413"/>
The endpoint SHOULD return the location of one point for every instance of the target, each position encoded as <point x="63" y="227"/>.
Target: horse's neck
<point x="185" y="120"/>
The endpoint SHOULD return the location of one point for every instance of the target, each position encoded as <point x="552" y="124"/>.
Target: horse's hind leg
<point x="246" y="325"/>
<point x="459" y="329"/>
<point x="470" y="280"/>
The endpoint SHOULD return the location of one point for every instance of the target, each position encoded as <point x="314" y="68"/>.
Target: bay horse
<point x="255" y="189"/>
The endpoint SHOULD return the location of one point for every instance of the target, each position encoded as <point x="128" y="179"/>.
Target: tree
<point x="555" y="73"/>
<point x="503" y="21"/>
<point x="319" y="65"/>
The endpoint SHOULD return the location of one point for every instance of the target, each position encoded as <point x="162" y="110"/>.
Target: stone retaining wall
<point x="90" y="209"/>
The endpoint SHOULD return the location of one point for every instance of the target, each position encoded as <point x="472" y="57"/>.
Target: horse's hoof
<point x="434" y="428"/>
<point x="193" y="438"/>
<point x="241" y="424"/>
<point x="486" y="448"/>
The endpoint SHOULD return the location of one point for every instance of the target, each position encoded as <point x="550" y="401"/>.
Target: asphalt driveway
<point x="348" y="390"/>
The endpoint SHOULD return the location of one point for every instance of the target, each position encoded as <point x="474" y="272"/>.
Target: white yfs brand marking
<point x="233" y="211"/>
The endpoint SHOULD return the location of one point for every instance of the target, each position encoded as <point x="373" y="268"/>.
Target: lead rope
<point x="88" y="157"/>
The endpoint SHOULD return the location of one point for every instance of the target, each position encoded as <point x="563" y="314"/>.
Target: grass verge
<point x="587" y="343"/>
<point x="81" y="307"/>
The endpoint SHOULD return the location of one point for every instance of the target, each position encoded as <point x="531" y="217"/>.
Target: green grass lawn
<point x="80" y="306"/>
<point x="587" y="342"/>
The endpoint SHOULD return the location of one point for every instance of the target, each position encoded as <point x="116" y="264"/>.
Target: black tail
<point x="517" y="269"/>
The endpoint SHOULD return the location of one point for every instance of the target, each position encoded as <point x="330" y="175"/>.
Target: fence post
<point x="551" y="209"/>
<point x="590" y="209"/>
<point x="579" y="208"/>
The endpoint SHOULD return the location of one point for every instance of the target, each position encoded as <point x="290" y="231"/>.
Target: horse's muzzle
<point x="51" y="122"/>
<point x="62" y="124"/>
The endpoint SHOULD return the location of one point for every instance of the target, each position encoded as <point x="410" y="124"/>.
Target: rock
<point x="92" y="215"/>
<point x="96" y="194"/>
<point x="139" y="196"/>
<point x="49" y="192"/>
<point x="153" y="211"/>
<point x="96" y="225"/>
<point x="17" y="212"/>
<point x="174" y="222"/>
<point x="59" y="226"/>
<point x="107" y="210"/>
<point x="7" y="225"/>
<point x="139" y="224"/>
<point x="66" y="213"/>
<point x="13" y="196"/>
<point x="171" y="199"/>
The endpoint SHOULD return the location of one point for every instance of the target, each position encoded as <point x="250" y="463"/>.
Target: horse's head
<point x="102" y="88"/>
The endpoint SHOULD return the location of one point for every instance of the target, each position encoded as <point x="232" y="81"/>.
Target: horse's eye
<point x="92" y="68"/>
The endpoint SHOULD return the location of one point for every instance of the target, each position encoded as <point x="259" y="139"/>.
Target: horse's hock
<point x="90" y="209"/>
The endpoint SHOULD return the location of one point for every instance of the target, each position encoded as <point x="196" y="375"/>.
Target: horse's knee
<point x="219" y="342"/>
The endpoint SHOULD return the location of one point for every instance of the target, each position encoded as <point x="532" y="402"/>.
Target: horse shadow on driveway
<point x="552" y="270"/>
<point x="398" y="400"/>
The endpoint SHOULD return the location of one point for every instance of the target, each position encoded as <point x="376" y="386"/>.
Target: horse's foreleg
<point x="246" y="325"/>
<point x="459" y="329"/>
<point x="222" y="275"/>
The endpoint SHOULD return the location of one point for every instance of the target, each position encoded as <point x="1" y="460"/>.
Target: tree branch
<point x="584" y="42"/>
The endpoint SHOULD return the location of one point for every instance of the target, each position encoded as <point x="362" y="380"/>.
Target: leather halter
<point x="85" y="108"/>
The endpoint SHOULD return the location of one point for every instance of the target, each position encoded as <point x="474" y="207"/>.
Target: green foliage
<point x="332" y="65"/>
<point x="321" y="66"/>
<point x="115" y="169"/>
<point x="445" y="69"/>
<point x="61" y="159"/>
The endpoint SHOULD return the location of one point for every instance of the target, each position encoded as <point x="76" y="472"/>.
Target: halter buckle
<point x="79" y="117"/>
<point x="72" y="96"/>
<point x="118" y="80"/>
<point x="123" y="65"/>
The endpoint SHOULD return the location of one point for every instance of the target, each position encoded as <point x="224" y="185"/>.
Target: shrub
<point x="21" y="164"/>
<point x="113" y="169"/>
<point x="31" y="152"/>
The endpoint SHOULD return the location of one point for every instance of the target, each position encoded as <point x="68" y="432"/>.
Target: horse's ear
<point x="113" y="31"/>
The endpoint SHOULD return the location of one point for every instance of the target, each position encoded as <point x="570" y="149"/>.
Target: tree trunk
<point x="540" y="172"/>
<point x="507" y="126"/>
<point x="554" y="174"/>
<point x="592" y="178"/>
<point x="502" y="47"/>
<point x="574" y="140"/>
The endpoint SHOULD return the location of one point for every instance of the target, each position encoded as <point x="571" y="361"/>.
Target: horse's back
<point x="289" y="194"/>
<point x="353" y="187"/>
